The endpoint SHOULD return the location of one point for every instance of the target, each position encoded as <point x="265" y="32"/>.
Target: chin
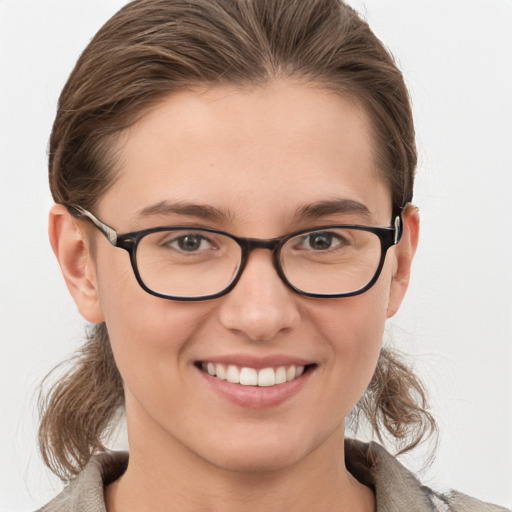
<point x="257" y="460"/>
<point x="258" y="452"/>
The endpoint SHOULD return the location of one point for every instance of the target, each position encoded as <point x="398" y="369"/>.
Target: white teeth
<point x="246" y="376"/>
<point x="266" y="377"/>
<point x="233" y="374"/>
<point x="220" y="371"/>
<point x="281" y="375"/>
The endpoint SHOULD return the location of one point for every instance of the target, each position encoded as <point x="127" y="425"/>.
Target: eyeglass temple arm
<point x="109" y="232"/>
<point x="398" y="225"/>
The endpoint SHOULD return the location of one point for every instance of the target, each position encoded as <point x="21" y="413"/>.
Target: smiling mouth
<point x="265" y="377"/>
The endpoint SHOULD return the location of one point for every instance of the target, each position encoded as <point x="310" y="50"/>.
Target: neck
<point x="174" y="478"/>
<point x="169" y="486"/>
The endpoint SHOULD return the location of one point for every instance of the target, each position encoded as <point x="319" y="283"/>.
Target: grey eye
<point x="190" y="242"/>
<point x="322" y="240"/>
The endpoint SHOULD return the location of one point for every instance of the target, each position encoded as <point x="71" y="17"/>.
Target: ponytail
<point x="77" y="411"/>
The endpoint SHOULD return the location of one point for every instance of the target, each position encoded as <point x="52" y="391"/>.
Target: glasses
<point x="195" y="263"/>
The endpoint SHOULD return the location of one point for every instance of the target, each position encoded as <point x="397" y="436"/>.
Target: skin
<point x="257" y="155"/>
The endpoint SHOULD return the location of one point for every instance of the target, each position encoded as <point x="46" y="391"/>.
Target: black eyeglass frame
<point x="388" y="236"/>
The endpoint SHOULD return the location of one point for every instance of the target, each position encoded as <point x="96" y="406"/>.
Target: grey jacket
<point x="396" y="488"/>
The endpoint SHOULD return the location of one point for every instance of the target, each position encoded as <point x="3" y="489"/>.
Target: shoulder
<point x="461" y="503"/>
<point x="86" y="492"/>
<point x="455" y="501"/>
<point x="397" y="489"/>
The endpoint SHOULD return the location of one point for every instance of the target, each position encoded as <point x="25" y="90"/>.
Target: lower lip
<point x="257" y="397"/>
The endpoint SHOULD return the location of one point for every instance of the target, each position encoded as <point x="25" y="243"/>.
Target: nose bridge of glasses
<point x="250" y="244"/>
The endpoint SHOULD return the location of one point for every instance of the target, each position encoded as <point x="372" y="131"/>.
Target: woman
<point x="256" y="161"/>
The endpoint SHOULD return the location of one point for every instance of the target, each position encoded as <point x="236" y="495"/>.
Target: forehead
<point x="260" y="152"/>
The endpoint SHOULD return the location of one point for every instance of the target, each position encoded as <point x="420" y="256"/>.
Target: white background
<point x="457" y="319"/>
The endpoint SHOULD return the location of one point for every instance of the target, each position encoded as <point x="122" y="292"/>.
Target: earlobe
<point x="71" y="248"/>
<point x="404" y="254"/>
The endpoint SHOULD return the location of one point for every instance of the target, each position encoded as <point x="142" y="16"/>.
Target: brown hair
<point x="152" y="48"/>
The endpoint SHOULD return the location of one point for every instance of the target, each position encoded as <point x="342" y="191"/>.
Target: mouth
<point x="247" y="376"/>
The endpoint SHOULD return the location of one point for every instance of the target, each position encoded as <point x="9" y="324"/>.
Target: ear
<point x="71" y="247"/>
<point x="404" y="254"/>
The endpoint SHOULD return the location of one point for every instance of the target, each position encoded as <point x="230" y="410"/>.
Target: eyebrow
<point x="330" y="207"/>
<point x="201" y="211"/>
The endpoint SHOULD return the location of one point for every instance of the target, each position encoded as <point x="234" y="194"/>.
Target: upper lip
<point x="249" y="361"/>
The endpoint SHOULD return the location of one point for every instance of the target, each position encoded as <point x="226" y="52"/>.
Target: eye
<point x="190" y="242"/>
<point x="323" y="241"/>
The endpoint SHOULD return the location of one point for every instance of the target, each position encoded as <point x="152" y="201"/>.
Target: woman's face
<point x="257" y="163"/>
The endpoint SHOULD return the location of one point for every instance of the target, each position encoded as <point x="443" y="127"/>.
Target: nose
<point x="260" y="306"/>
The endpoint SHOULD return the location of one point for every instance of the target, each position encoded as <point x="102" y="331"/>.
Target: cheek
<point x="355" y="324"/>
<point x="151" y="340"/>
<point x="144" y="330"/>
<point x="353" y="329"/>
